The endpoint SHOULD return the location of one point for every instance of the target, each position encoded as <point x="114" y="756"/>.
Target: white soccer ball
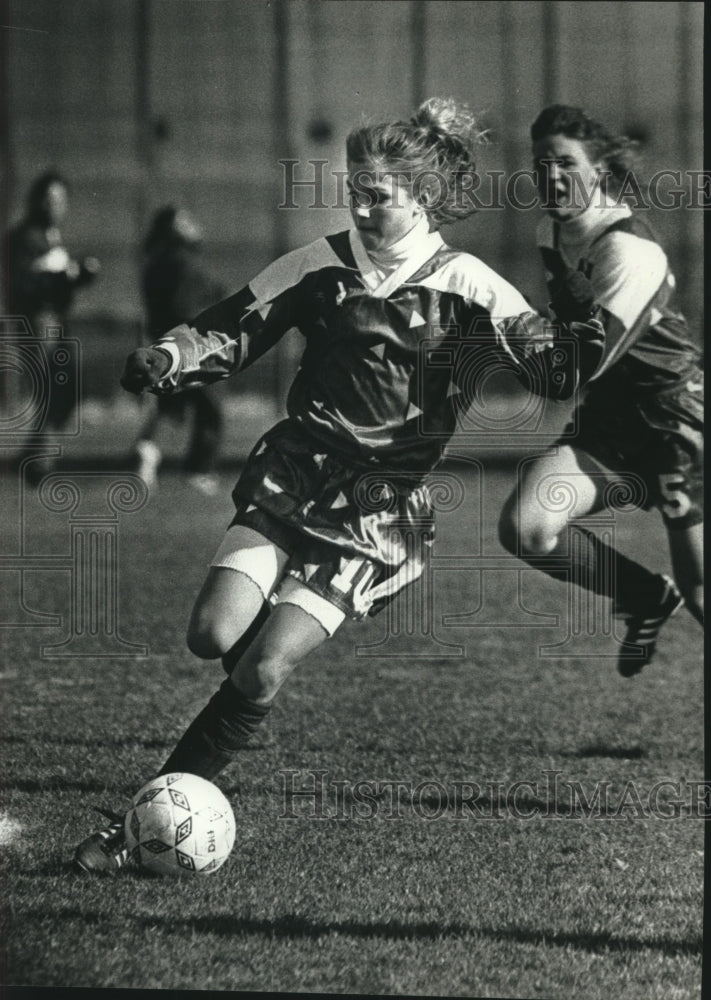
<point x="180" y="823"/>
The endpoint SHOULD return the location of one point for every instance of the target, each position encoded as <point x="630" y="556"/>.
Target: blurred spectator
<point x="42" y="279"/>
<point x="175" y="288"/>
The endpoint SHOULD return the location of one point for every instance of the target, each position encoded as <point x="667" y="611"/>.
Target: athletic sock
<point x="229" y="660"/>
<point x="216" y="735"/>
<point x="586" y="560"/>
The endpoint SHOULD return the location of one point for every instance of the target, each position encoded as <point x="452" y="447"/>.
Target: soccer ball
<point x="180" y="823"/>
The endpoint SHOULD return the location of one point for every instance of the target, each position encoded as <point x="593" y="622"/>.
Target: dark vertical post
<point x="509" y="244"/>
<point x="551" y="52"/>
<point x="5" y="133"/>
<point x="418" y="35"/>
<point x="684" y="143"/>
<point x="7" y="179"/>
<point x="281" y="118"/>
<point x="283" y="149"/>
<point x="143" y="118"/>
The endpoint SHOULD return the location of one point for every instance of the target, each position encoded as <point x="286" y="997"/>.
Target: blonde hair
<point x="436" y="144"/>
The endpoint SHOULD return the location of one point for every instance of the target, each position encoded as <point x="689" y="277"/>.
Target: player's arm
<point x="221" y="340"/>
<point x="552" y="357"/>
<point x="627" y="275"/>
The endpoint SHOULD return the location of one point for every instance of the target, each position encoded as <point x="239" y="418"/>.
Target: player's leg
<point x="681" y="502"/>
<point x="674" y="476"/>
<point x="243" y="574"/>
<point x="559" y="486"/>
<point x="299" y="623"/>
<point x="147" y="453"/>
<point x="201" y="456"/>
<point x="563" y="486"/>
<point x="687" y="554"/>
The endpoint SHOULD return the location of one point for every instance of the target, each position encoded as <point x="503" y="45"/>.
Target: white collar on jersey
<point x="603" y="210"/>
<point x="386" y="270"/>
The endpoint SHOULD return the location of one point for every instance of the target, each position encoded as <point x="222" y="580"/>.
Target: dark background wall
<point x="144" y="101"/>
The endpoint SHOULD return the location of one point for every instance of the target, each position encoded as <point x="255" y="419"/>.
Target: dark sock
<point x="229" y="660"/>
<point x="586" y="560"/>
<point x="216" y="735"/>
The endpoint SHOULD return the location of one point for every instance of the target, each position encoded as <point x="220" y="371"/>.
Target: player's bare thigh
<point x="563" y="484"/>
<point x="233" y="594"/>
<point x="287" y="637"/>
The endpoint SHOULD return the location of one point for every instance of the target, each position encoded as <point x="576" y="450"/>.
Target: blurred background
<point x="143" y="102"/>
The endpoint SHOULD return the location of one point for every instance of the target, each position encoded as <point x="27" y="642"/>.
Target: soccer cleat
<point x="643" y="629"/>
<point x="106" y="850"/>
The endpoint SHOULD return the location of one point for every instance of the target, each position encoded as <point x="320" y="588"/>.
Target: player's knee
<point x="524" y="538"/>
<point x="265" y="676"/>
<point x="209" y="640"/>
<point x="535" y="540"/>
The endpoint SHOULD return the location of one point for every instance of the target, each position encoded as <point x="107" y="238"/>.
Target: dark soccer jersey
<point x="647" y="339"/>
<point x="388" y="364"/>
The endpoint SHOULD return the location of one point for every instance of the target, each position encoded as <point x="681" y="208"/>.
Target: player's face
<point x="382" y="209"/>
<point x="567" y="177"/>
<point x="55" y="203"/>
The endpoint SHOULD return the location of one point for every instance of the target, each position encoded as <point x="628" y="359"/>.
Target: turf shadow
<point x="635" y="752"/>
<point x="297" y="926"/>
<point x="125" y="743"/>
<point x="56" y="783"/>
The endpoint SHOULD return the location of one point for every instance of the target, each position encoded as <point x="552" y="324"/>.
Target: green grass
<point x="553" y="905"/>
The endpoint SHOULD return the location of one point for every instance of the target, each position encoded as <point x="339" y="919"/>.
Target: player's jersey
<point x="390" y="362"/>
<point x="647" y="344"/>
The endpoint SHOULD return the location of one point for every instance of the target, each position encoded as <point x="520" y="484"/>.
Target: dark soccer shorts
<point x="659" y="438"/>
<point x="356" y="537"/>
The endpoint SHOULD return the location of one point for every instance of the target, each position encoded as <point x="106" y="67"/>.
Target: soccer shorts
<point x="657" y="437"/>
<point x="356" y="537"/>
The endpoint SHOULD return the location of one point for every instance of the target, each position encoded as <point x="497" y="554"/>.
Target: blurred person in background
<point x="42" y="279"/>
<point x="642" y="412"/>
<point x="175" y="288"/>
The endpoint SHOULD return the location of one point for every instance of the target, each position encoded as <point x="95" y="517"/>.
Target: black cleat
<point x="106" y="850"/>
<point x="643" y="629"/>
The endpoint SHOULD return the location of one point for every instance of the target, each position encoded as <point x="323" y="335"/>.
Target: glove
<point x="145" y="368"/>
<point x="572" y="297"/>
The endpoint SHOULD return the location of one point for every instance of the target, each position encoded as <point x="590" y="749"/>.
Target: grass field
<point x="520" y="895"/>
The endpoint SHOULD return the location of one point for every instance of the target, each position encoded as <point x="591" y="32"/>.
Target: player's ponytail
<point x="432" y="154"/>
<point x="617" y="152"/>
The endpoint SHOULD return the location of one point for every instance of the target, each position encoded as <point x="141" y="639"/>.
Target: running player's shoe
<point x="643" y="629"/>
<point x="106" y="850"/>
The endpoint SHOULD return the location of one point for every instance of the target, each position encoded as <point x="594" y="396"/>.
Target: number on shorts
<point x="671" y="486"/>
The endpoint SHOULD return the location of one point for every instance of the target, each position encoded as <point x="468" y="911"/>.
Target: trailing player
<point x="329" y="497"/>
<point x="642" y="412"/>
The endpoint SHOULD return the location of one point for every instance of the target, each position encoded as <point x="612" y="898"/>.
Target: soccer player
<point x="312" y="535"/>
<point x="642" y="411"/>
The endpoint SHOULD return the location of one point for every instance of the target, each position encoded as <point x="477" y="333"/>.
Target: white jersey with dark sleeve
<point x="633" y="285"/>
<point x="388" y="364"/>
